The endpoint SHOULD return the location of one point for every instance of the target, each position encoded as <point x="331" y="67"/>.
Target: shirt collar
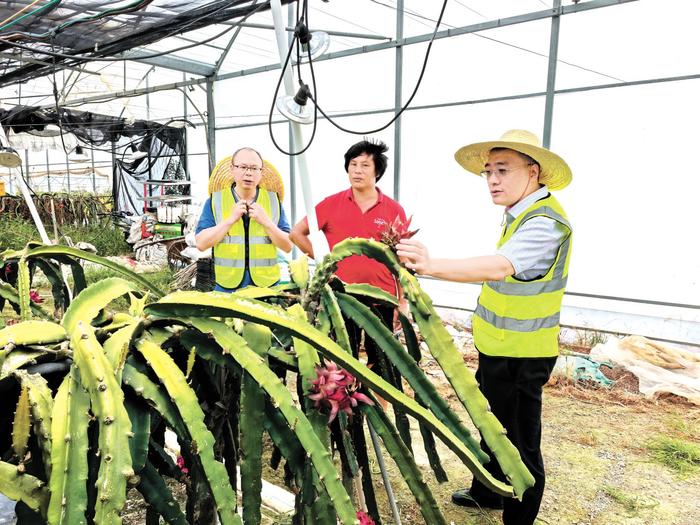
<point x="515" y="210"/>
<point x="349" y="195"/>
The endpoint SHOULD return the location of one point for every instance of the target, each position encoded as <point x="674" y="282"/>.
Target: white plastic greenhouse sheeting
<point x="667" y="323"/>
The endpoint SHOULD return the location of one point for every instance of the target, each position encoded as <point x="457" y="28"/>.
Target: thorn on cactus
<point x="364" y="518"/>
<point x="337" y="389"/>
<point x="396" y="231"/>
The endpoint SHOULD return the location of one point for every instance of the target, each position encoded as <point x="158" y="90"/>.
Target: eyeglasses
<point x="500" y="172"/>
<point x="244" y="168"/>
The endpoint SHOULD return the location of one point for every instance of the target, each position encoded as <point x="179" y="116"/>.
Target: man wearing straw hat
<point x="245" y="224"/>
<point x="516" y="322"/>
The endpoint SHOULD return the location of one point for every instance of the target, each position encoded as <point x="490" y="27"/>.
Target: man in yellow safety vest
<point x="245" y="224"/>
<point x="516" y="322"/>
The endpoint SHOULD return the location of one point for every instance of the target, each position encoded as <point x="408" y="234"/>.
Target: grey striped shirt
<point x="533" y="247"/>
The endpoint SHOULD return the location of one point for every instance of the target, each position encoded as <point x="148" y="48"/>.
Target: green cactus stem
<point x="424" y="388"/>
<point x="21" y="425"/>
<point x="251" y="425"/>
<point x="19" y="486"/>
<point x="159" y="497"/>
<point x="41" y="403"/>
<point x="69" y="450"/>
<point x="32" y="333"/>
<point x="93" y="299"/>
<point x="253" y="364"/>
<point x="202" y="440"/>
<point x="60" y="253"/>
<point x="23" y="287"/>
<point x="107" y="400"/>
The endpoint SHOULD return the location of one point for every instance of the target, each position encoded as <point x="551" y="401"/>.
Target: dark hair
<point x="245" y="148"/>
<point x="375" y="149"/>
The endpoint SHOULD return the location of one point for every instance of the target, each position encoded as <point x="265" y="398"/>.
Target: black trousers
<point x="386" y="314"/>
<point x="513" y="388"/>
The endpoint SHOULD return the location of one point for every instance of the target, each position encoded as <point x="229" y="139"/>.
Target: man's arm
<point x="300" y="236"/>
<point x="415" y="256"/>
<point x="211" y="236"/>
<point x="278" y="237"/>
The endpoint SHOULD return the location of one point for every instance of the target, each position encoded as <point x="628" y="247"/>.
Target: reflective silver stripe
<point x="233" y="239"/>
<point x="516" y="325"/>
<point x="257" y="263"/>
<point x="547" y="212"/>
<point x="229" y="263"/>
<point x="563" y="256"/>
<point x="216" y="204"/>
<point x="262" y="239"/>
<point x="527" y="289"/>
<point x="274" y="207"/>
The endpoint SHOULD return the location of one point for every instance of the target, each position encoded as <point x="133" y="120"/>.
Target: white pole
<point x="30" y="204"/>
<point x="318" y="240"/>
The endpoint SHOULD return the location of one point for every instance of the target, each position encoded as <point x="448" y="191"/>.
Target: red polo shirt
<point x="339" y="217"/>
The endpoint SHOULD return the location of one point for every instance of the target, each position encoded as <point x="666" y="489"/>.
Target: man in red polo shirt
<point x="360" y="211"/>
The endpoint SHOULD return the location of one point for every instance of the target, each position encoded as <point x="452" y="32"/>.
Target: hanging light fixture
<point x="316" y="43"/>
<point x="8" y="156"/>
<point x="295" y="108"/>
<point x="78" y="155"/>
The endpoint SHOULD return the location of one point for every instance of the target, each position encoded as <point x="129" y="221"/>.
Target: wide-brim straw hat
<point x="554" y="171"/>
<point x="222" y="177"/>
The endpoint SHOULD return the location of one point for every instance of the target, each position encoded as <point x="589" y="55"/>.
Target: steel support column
<point x="398" y="95"/>
<point x="551" y="76"/>
<point x="211" y="124"/>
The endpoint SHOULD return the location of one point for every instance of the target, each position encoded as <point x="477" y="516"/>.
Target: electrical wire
<point x="293" y="44"/>
<point x="7" y="22"/>
<point x="408" y="102"/>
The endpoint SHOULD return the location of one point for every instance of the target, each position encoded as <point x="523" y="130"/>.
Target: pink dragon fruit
<point x="364" y="518"/>
<point x="35" y="297"/>
<point x="336" y="388"/>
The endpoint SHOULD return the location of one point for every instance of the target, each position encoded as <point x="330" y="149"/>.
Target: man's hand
<point x="414" y="256"/>
<point x="238" y="211"/>
<point x="257" y="213"/>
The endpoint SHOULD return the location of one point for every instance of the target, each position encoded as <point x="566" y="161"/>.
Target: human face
<point x="518" y="180"/>
<point x="246" y="179"/>
<point x="362" y="173"/>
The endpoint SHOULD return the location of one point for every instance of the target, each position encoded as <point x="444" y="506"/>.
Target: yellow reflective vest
<point x="517" y="318"/>
<point x="245" y="246"/>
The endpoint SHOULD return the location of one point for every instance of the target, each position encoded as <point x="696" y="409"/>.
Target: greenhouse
<point x="249" y="275"/>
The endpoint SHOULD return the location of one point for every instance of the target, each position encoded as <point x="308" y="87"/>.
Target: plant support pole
<point x="385" y="476"/>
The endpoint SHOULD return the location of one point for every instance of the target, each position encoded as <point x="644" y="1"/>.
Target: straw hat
<point x="222" y="177"/>
<point x="554" y="171"/>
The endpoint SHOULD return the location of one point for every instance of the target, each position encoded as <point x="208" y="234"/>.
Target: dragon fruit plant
<point x="100" y="387"/>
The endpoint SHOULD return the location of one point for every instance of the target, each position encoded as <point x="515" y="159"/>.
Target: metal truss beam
<point x="185" y="65"/>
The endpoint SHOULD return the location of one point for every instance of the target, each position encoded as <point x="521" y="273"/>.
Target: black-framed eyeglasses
<point x="244" y="168"/>
<point x="500" y="173"/>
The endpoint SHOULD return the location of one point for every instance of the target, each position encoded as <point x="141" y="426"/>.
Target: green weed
<point x="631" y="503"/>
<point x="681" y="456"/>
<point x="15" y="233"/>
